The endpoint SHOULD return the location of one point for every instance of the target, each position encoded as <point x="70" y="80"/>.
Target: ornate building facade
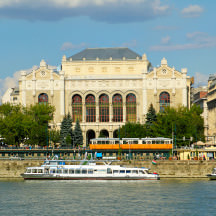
<point x="105" y="88"/>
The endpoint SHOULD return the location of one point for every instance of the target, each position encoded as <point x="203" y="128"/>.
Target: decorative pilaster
<point x="83" y="113"/>
<point x="62" y="94"/>
<point x="23" y="74"/>
<point x="111" y="112"/>
<point x="124" y="112"/>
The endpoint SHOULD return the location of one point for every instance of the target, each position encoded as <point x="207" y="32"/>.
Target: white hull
<point x="55" y="170"/>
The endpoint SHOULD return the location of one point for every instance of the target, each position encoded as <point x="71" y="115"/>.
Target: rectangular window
<point x="128" y="171"/>
<point x="135" y="171"/>
<point x="71" y="171"/>
<point x="115" y="171"/>
<point x="122" y="171"/>
<point x="65" y="171"/>
<point x="84" y="171"/>
<point x="59" y="171"/>
<point x="90" y="171"/>
<point x="77" y="171"/>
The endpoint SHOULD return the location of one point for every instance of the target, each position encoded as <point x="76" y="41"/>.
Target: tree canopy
<point x="29" y="125"/>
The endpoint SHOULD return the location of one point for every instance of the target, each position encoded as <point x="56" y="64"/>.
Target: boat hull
<point x="52" y="177"/>
<point x="211" y="177"/>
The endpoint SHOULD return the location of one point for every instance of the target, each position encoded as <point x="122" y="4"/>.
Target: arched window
<point x="131" y="108"/>
<point x="117" y="108"/>
<point x="164" y="100"/>
<point x="77" y="108"/>
<point x="104" y="108"/>
<point x="90" y="108"/>
<point x="43" y="98"/>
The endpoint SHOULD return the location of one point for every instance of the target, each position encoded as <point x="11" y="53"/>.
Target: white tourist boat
<point x="212" y="176"/>
<point x="58" y="170"/>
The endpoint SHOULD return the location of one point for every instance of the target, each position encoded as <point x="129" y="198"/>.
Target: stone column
<point x="124" y="112"/>
<point x="111" y="112"/>
<point x="62" y="94"/>
<point x="83" y="112"/>
<point x="23" y="74"/>
<point x="97" y="110"/>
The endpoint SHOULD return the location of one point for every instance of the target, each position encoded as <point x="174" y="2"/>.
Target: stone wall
<point x="166" y="169"/>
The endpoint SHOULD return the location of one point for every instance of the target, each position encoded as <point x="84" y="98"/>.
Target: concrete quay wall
<point x="166" y="169"/>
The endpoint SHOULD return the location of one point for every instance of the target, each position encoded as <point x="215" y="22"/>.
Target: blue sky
<point x="181" y="31"/>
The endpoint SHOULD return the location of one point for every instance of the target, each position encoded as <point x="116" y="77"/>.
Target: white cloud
<point x="165" y="40"/>
<point x="70" y="46"/>
<point x="197" y="40"/>
<point x="111" y="11"/>
<point x="192" y="11"/>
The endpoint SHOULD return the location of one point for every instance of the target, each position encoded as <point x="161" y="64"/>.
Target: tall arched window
<point x="131" y="108"/>
<point x="90" y="108"/>
<point x="117" y="108"/>
<point x="164" y="100"/>
<point x="104" y="108"/>
<point x="77" y="108"/>
<point x="43" y="98"/>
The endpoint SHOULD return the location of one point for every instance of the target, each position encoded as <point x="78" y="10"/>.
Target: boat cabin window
<point x="65" y="171"/>
<point x="71" y="171"/>
<point x="59" y="171"/>
<point x="115" y="171"/>
<point x="52" y="171"/>
<point x="109" y="171"/>
<point x="77" y="171"/>
<point x="141" y="171"/>
<point x="28" y="170"/>
<point x="135" y="171"/>
<point x="122" y="171"/>
<point x="128" y="171"/>
<point x="90" y="171"/>
<point x="84" y="171"/>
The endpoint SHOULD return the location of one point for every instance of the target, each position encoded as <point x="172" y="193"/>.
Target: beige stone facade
<point x="121" y="73"/>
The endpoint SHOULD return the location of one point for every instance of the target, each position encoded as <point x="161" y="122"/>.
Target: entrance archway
<point x="115" y="134"/>
<point x="89" y="135"/>
<point x="104" y="134"/>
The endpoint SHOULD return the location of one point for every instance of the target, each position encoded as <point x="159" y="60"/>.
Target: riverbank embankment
<point x="166" y="169"/>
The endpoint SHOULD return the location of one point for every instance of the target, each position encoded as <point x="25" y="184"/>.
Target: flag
<point x="154" y="162"/>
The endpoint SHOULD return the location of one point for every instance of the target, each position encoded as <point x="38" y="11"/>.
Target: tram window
<point x="162" y="141"/>
<point x="28" y="170"/>
<point x="115" y="171"/>
<point x="34" y="171"/>
<point x="135" y="142"/>
<point x="39" y="170"/>
<point x="143" y="142"/>
<point x="135" y="171"/>
<point x="90" y="171"/>
<point x="116" y="142"/>
<point x="84" y="171"/>
<point x="59" y="171"/>
<point x="128" y="171"/>
<point x="77" y="171"/>
<point x="158" y="142"/>
<point x="122" y="171"/>
<point x="124" y="142"/>
<point x="149" y="142"/>
<point x="71" y="171"/>
<point x="65" y="171"/>
<point x="53" y="171"/>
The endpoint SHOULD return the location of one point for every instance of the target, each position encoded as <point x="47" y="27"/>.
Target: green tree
<point x="55" y="136"/>
<point x="12" y="127"/>
<point x="133" y="130"/>
<point x="182" y="121"/>
<point x="78" y="137"/>
<point x="39" y="115"/>
<point x="66" y="131"/>
<point x="151" y="116"/>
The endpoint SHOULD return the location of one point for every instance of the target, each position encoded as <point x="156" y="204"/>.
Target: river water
<point x="164" y="197"/>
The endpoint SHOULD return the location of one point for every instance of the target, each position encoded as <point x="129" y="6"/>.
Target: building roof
<point x="105" y="54"/>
